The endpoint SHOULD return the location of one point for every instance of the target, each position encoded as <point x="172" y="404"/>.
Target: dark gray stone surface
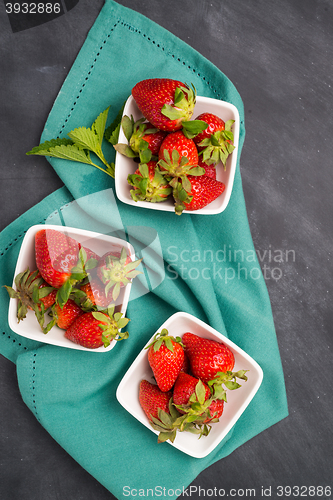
<point x="279" y="56"/>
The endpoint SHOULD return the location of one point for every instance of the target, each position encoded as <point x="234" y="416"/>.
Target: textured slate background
<point x="279" y="56"/>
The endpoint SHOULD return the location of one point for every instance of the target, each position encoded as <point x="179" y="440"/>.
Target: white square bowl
<point x="237" y="400"/>
<point x="126" y="166"/>
<point x="29" y="327"/>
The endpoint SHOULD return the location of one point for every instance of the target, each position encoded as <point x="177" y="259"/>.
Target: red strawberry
<point x="91" y="256"/>
<point x="56" y="255"/>
<point x="215" y="409"/>
<point x="203" y="191"/>
<point x="149" y="184"/>
<point x="207" y="357"/>
<point x="164" y="102"/>
<point x="194" y="399"/>
<point x="178" y="160"/>
<point x="116" y="270"/>
<point x="214" y="124"/>
<point x="166" y="358"/>
<point x="144" y="140"/>
<point x="186" y="365"/>
<point x="49" y="299"/>
<point x="159" y="410"/>
<point x="185" y="147"/>
<point x="95" y="329"/>
<point x="210" y="170"/>
<point x="64" y="317"/>
<point x="152" y="399"/>
<point x="61" y="261"/>
<point x="216" y="140"/>
<point x="95" y="293"/>
<point x="154" y="140"/>
<point x="184" y="388"/>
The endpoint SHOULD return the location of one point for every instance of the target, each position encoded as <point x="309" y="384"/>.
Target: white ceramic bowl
<point x="237" y="400"/>
<point x="28" y="327"/>
<point x="126" y="166"/>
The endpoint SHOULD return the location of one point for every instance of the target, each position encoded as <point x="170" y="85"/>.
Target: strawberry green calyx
<point x="164" y="338"/>
<point x="218" y="146"/>
<point x="184" y="102"/>
<point x="146" y="189"/>
<point x="164" y="424"/>
<point x="193" y="127"/>
<point x="29" y="294"/>
<point x="197" y="410"/>
<point x="178" y="167"/>
<point x="78" y="274"/>
<point x="229" y="380"/>
<point x="111" y="325"/>
<point x="118" y="272"/>
<point x="168" y="424"/>
<point x="137" y="147"/>
<point x="181" y="196"/>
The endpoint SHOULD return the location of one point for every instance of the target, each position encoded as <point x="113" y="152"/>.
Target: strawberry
<point x="149" y="184"/>
<point x="203" y="191"/>
<point x="166" y="358"/>
<point x="144" y="140"/>
<point x="95" y="294"/>
<point x="152" y="399"/>
<point x="186" y="365"/>
<point x="49" y="299"/>
<point x="207" y="357"/>
<point x="64" y="317"/>
<point x="192" y="397"/>
<point x="157" y="406"/>
<point x="61" y="261"/>
<point x="178" y="159"/>
<point x="90" y="256"/>
<point x="215" y="408"/>
<point x="184" y="388"/>
<point x="32" y="292"/>
<point x="95" y="329"/>
<point x="56" y="254"/>
<point x="185" y="147"/>
<point x="164" y="102"/>
<point x="210" y="170"/>
<point x="215" y="142"/>
<point x="214" y="124"/>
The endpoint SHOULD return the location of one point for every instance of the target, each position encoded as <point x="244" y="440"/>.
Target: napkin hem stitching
<point x="168" y="52"/>
<point x="33" y="386"/>
<point x="92" y="65"/>
<point x="9" y="337"/>
<point x="151" y="40"/>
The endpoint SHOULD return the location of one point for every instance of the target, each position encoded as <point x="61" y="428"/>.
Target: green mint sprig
<point x="81" y="143"/>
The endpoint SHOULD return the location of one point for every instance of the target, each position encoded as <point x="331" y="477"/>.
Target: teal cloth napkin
<point x="71" y="392"/>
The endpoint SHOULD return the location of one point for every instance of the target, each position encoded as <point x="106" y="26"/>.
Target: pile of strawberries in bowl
<point x="72" y="285"/>
<point x="175" y="149"/>
<point x="181" y="386"/>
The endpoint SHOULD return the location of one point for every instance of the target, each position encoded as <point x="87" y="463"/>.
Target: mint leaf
<point x="112" y="132"/>
<point x="70" y="152"/>
<point x="99" y="125"/>
<point x="84" y="138"/>
<point x="47" y="145"/>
